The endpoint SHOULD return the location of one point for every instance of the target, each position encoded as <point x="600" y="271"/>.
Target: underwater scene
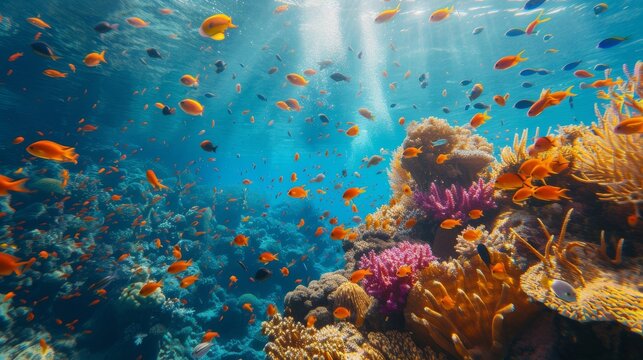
<point x="321" y="179"/>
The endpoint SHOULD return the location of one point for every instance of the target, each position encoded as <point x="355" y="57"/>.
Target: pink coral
<point x="455" y="202"/>
<point x="388" y="288"/>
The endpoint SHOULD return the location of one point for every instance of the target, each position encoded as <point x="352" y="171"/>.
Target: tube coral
<point x="385" y="285"/>
<point x="456" y="201"/>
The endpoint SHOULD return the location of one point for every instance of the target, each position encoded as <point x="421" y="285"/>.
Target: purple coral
<point x="455" y="202"/>
<point x="389" y="289"/>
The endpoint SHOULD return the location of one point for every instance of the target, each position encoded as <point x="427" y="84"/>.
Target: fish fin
<point x="452" y="9"/>
<point x="24" y="266"/>
<point x="232" y="26"/>
<point x="102" y="56"/>
<point x="519" y="57"/>
<point x="218" y="36"/>
<point x="568" y="91"/>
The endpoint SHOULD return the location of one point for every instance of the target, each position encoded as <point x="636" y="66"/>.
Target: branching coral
<point x="455" y="202"/>
<point x="600" y="290"/>
<point x="465" y="310"/>
<point x="385" y="285"/>
<point x="354" y="298"/>
<point x="397" y="175"/>
<point x="469" y="154"/>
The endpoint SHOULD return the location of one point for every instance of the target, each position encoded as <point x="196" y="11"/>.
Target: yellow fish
<point x="215" y="26"/>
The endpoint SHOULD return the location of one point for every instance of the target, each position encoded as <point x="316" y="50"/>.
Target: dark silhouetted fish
<point x="168" y="110"/>
<point x="273" y="70"/>
<point x="601" y="67"/>
<point x="532" y="4"/>
<point x="465" y="82"/>
<point x="527" y="84"/>
<point x="324" y="64"/>
<point x="242" y="265"/>
<point x="484" y="254"/>
<point x="263" y="274"/>
<point x="153" y="53"/>
<point x="262" y="98"/>
<point x="531" y="71"/>
<point x="340" y="77"/>
<point x="610" y="42"/>
<point x="210" y="95"/>
<point x="393" y="105"/>
<point x="324" y="119"/>
<point x="278" y="57"/>
<point x="415" y="106"/>
<point x="142" y="61"/>
<point x="477" y="30"/>
<point x="600" y="8"/>
<point x="424" y="84"/>
<point x="423" y="77"/>
<point x="514" y="32"/>
<point x="446" y="110"/>
<point x="523" y="104"/>
<point x="467" y="107"/>
<point x="481" y="106"/>
<point x="229" y="111"/>
<point x="571" y="65"/>
<point x="221" y="66"/>
<point x="547" y="37"/>
<point x="105" y="27"/>
<point x="359" y="56"/>
<point x="571" y="102"/>
<point x="43" y="49"/>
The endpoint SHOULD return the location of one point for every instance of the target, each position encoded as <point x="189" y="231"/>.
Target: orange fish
<point x="532" y="25"/>
<point x="240" y="240"/>
<point x="18" y="140"/>
<point x="247" y="307"/>
<point x="450" y="223"/>
<point x="479" y="119"/>
<point x="298" y="192"/>
<point x="301" y="223"/>
<point x="50" y="150"/>
<point x="510" y="181"/>
<point x="10" y="264"/>
<point x="609" y="82"/>
<point x="37" y="21"/>
<point x="475" y="214"/>
<point x="122" y="257"/>
<point x="296" y="79"/>
<point x="338" y="233"/>
<point x="406" y="189"/>
<point x="509" y="61"/>
<point x="358" y="275"/>
<point x="310" y="72"/>
<point x="550" y="193"/>
<point x="179" y="266"/>
<point x="208" y="336"/>
<point x="557" y="96"/>
<point x="54" y="73"/>
<point x="15" y="56"/>
<point x="471" y="234"/>
<point x="294" y="104"/>
<point x="271" y="310"/>
<point x="293" y="177"/>
<point x="157" y="243"/>
<point x="233" y="280"/>
<point x="629" y="126"/>
<point x="282" y="105"/>
<point x="137" y="22"/>
<point x="191" y="107"/>
<point x="353" y="192"/>
<point x="188" y="280"/>
<point x="388" y="14"/>
<point x="43" y="346"/>
<point x="72" y="67"/>
<point x="116" y="197"/>
<point x="8" y="296"/>
<point x="404" y="271"/>
<point x="353" y="130"/>
<point x="154" y="181"/>
<point x="366" y="113"/>
<point x="189" y="80"/>
<point x="266" y="257"/>
<point x="94" y="59"/>
<point x="281" y="8"/>
<point x="310" y="321"/>
<point x="341" y="313"/>
<point x="501" y="100"/>
<point x="320" y="230"/>
<point x="284" y="271"/>
<point x="441" y="159"/>
<point x="441" y="14"/>
<point x="521" y="195"/>
<point x="411" y="152"/>
<point x="410" y="223"/>
<point x="583" y="74"/>
<point x="176" y="252"/>
<point x="7" y="184"/>
<point x="150" y="287"/>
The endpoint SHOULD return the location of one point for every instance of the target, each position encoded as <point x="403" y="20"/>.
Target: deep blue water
<point x="111" y="97"/>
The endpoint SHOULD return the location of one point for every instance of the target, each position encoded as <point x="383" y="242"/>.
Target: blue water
<point x="113" y="96"/>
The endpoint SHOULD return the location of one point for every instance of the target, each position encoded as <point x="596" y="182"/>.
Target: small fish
<point x="263" y="274"/>
<point x="532" y="4"/>
<point x="220" y="65"/>
<point x="261" y="97"/>
<point x="153" y="53"/>
<point x="601" y="67"/>
<point x="324" y="119"/>
<point x="201" y="350"/>
<point x="340" y="77"/>
<point x="324" y="64"/>
<point x="611" y="42"/>
<point x="424" y="84"/>
<point x="600" y="8"/>
<point x="446" y="110"/>
<point x="523" y="104"/>
<point x="439" y="142"/>
<point x="527" y="84"/>
<point x="359" y="56"/>
<point x="273" y="70"/>
<point x="105" y="27"/>
<point x="547" y="37"/>
<point x="278" y="57"/>
<point x="423" y="77"/>
<point x="563" y="290"/>
<point x="242" y="265"/>
<point x="515" y="32"/>
<point x="142" y="61"/>
<point x="477" y="30"/>
<point x="210" y="95"/>
<point x="467" y="107"/>
<point x="571" y="65"/>
<point x="43" y="49"/>
<point x="481" y="106"/>
<point x="484" y="254"/>
<point x="465" y="82"/>
<point x="393" y="105"/>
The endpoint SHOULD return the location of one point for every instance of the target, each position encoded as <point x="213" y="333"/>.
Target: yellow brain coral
<point x="462" y="308"/>
<point x="581" y="282"/>
<point x="354" y="298"/>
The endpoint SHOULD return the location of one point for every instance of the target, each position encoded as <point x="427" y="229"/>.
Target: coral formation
<point x="466" y="310"/>
<point x="302" y="300"/>
<point x="400" y="346"/>
<point x="352" y="297"/>
<point x="386" y="285"/>
<point x="456" y="201"/>
<point x="603" y="289"/>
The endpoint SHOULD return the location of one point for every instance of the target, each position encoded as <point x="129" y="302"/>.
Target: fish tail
<point x="102" y="57"/>
<point x="70" y="154"/>
<point x="18" y="185"/>
<point x="568" y="91"/>
<point x="519" y="57"/>
<point x="563" y="194"/>
<point x="24" y="266"/>
<point x="452" y="9"/>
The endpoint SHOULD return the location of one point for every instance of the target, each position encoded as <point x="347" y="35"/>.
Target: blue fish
<point x="600" y="8"/>
<point x="393" y="105"/>
<point x="481" y="106"/>
<point x="467" y="107"/>
<point x="563" y="290"/>
<point x="439" y="142"/>
<point x="527" y="84"/>
<point x="465" y="82"/>
<point x="547" y="37"/>
<point x="484" y="253"/>
<point x="262" y="97"/>
<point x="477" y="30"/>
<point x="601" y="67"/>
<point x="43" y="49"/>
<point x="528" y="72"/>
<point x="611" y="42"/>
<point x="532" y="4"/>
<point x="523" y="104"/>
<point x="571" y="66"/>
<point x="544" y="72"/>
<point x="210" y="95"/>
<point x="515" y="32"/>
<point x="324" y="119"/>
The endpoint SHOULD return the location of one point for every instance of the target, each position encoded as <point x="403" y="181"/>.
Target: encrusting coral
<point x="465" y="310"/>
<point x="354" y="298"/>
<point x="469" y="155"/>
<point x="600" y="288"/>
<point x="399" y="345"/>
<point x="455" y="202"/>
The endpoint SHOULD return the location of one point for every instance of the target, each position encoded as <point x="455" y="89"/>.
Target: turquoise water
<point x="119" y="96"/>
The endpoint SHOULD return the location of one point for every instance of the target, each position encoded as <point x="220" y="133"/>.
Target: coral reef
<point x="461" y="307"/>
<point x="469" y="154"/>
<point x="603" y="289"/>
<point x="386" y="284"/>
<point x="302" y="300"/>
<point x="456" y="201"/>
<point x="354" y="298"/>
<point x="399" y="345"/>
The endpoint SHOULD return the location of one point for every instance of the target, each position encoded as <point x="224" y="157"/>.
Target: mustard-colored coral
<point x="399" y="345"/>
<point x="602" y="290"/>
<point x="397" y="175"/>
<point x="460" y="307"/>
<point x="354" y="298"/>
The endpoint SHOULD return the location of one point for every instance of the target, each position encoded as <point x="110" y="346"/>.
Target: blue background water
<point x="310" y="31"/>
